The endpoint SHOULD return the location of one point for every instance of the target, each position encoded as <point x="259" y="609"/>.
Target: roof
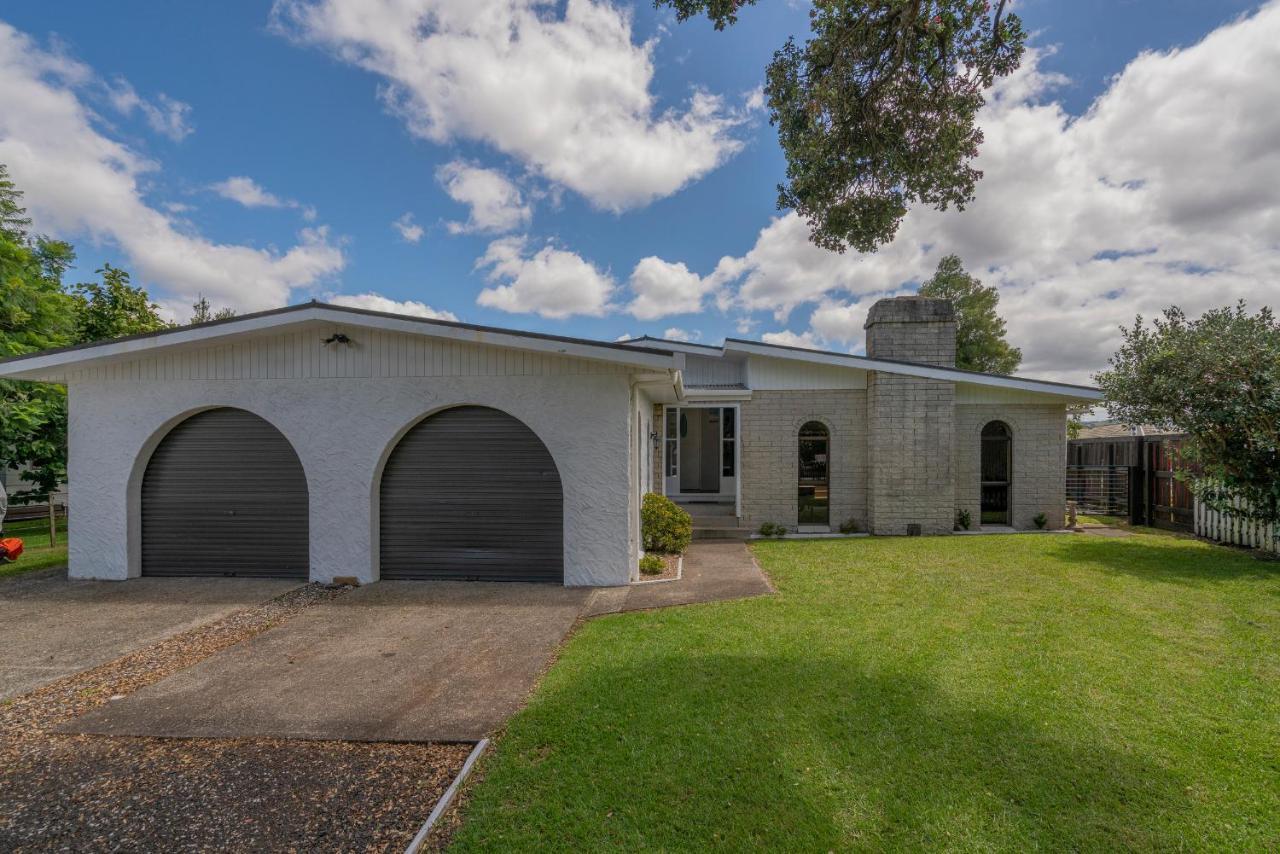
<point x="1079" y="393"/>
<point x="648" y="352"/>
<point x="1116" y="430"/>
<point x="46" y="363"/>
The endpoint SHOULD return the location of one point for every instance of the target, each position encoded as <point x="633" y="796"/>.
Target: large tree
<point x="877" y="110"/>
<point x="980" y="331"/>
<point x="35" y="314"/>
<point x="1217" y="379"/>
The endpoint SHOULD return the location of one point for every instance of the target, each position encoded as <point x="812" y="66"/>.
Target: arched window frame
<point x="995" y="494"/>
<point x="812" y="494"/>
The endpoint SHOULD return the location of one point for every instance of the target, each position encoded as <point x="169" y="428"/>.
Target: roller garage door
<point x="224" y="494"/>
<point x="471" y="493"/>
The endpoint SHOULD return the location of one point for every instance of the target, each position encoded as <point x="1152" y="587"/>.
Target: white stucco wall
<point x="342" y="429"/>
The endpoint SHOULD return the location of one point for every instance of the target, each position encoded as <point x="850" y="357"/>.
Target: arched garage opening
<point x="224" y="494"/>
<point x="471" y="493"/>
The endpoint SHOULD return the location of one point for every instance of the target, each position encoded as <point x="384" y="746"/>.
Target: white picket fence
<point x="1234" y="530"/>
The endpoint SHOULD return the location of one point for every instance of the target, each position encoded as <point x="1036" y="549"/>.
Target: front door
<point x="700" y="451"/>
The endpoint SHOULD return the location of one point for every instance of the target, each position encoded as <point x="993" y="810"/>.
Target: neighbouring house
<point x="318" y="442"/>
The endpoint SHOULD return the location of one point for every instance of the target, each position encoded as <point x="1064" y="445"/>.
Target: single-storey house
<point x="317" y="441"/>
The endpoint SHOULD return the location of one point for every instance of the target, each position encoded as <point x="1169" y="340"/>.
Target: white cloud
<point x="551" y="282"/>
<point x="1166" y="191"/>
<point x="496" y="203"/>
<point x="675" y="333"/>
<point x="662" y="289"/>
<point x="377" y="302"/>
<point x="167" y="116"/>
<point x="787" y="338"/>
<point x="409" y="230"/>
<point x="248" y="192"/>
<point x="81" y="183"/>
<point x="567" y="93"/>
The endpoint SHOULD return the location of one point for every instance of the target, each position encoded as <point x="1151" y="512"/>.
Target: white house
<point x="318" y="441"/>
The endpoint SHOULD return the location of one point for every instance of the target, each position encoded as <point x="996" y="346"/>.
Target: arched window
<point x="997" y="473"/>
<point x="814" y="493"/>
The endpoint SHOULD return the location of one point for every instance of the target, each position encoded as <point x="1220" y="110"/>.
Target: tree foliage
<point x="877" y="111"/>
<point x="1217" y="379"/>
<point x="13" y="218"/>
<point x="202" y="312"/>
<point x="980" y="331"/>
<point x="114" y="308"/>
<point x="35" y="314"/>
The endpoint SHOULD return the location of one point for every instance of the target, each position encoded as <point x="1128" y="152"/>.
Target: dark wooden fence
<point x="1132" y="476"/>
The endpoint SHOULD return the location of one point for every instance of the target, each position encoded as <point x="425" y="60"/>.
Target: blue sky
<point x="295" y="101"/>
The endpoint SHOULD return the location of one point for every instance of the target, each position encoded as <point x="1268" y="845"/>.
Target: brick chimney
<point x="912" y="329"/>
<point x="910" y="419"/>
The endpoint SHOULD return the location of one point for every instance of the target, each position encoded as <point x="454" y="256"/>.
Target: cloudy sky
<point x="595" y="169"/>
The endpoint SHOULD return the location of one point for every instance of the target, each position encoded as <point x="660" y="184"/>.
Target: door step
<point x="721" y="533"/>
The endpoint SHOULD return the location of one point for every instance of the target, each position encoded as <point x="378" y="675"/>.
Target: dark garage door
<point x="472" y="493"/>
<point x="224" y="494"/>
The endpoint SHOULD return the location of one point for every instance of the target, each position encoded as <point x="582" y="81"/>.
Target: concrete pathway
<point x="714" y="571"/>
<point x="394" y="661"/>
<point x="51" y="627"/>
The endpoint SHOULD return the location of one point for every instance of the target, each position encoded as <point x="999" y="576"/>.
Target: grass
<point x="971" y="693"/>
<point x="1106" y="521"/>
<point x="37" y="553"/>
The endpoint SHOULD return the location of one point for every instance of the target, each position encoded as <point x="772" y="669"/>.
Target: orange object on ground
<point x="10" y="549"/>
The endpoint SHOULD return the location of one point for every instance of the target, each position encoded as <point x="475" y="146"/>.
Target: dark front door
<point x="224" y="494"/>
<point x="471" y="493"/>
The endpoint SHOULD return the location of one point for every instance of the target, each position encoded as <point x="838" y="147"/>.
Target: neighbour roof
<point x="1116" y="430"/>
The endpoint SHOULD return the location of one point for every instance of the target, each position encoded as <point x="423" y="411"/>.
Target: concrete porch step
<point x="723" y="521"/>
<point x="727" y="532"/>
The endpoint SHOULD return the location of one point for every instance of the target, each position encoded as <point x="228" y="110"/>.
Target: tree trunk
<point x="53" y="522"/>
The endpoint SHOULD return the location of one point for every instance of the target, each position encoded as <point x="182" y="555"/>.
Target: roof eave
<point x="1080" y="394"/>
<point x="52" y="365"/>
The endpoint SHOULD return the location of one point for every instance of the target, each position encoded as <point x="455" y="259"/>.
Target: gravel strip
<point x="85" y="793"/>
<point x="72" y="696"/>
<point x="78" y="792"/>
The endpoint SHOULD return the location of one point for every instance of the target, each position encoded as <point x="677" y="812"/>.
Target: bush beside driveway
<point x="997" y="692"/>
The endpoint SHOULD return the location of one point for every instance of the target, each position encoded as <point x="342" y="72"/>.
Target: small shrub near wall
<point x="664" y="526"/>
<point x="652" y="564"/>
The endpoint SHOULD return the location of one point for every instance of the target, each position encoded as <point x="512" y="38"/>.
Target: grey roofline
<point x="631" y="341"/>
<point x="868" y="359"/>
<point x="289" y="309"/>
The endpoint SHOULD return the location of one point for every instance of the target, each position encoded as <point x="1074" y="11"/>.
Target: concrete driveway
<point x="51" y="627"/>
<point x="397" y="660"/>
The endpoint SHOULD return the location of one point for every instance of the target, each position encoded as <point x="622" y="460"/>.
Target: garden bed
<point x="671" y="565"/>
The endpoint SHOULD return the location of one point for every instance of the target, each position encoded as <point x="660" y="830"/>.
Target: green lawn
<point x="37" y="553"/>
<point x="970" y="693"/>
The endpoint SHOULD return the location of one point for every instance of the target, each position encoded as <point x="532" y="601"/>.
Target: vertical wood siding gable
<point x="374" y="354"/>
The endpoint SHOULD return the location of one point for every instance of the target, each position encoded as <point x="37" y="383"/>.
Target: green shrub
<point x="652" y="564"/>
<point x="1041" y="520"/>
<point x="664" y="526"/>
<point x="772" y="529"/>
<point x="850" y="526"/>
<point x="964" y="520"/>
